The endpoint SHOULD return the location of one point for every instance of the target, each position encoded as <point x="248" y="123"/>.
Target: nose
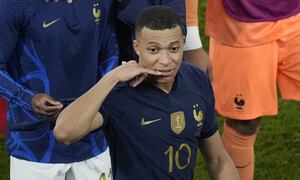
<point x="165" y="58"/>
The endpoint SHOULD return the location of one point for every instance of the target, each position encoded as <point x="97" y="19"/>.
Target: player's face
<point x="161" y="50"/>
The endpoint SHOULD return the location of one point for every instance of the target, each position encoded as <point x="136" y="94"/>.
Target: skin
<point x="43" y="104"/>
<point x="245" y="127"/>
<point x="161" y="54"/>
<point x="160" y="58"/>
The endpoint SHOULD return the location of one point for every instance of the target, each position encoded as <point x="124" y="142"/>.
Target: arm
<point x="109" y="50"/>
<point x="11" y="23"/>
<point x="219" y="164"/>
<point x="85" y="108"/>
<point x="194" y="53"/>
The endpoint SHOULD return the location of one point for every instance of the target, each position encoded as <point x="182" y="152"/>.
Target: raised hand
<point x="133" y="71"/>
<point x="43" y="104"/>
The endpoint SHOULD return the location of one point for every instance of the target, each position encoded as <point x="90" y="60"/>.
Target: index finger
<point x="150" y="71"/>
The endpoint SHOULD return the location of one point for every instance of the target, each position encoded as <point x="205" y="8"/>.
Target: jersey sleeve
<point x="11" y="22"/>
<point x="210" y="125"/>
<point x="193" y="40"/>
<point x="111" y="110"/>
<point x="109" y="52"/>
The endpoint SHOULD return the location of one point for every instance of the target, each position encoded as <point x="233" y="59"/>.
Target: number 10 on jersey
<point x="176" y="156"/>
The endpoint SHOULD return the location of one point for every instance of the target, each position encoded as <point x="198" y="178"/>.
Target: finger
<point x="123" y="62"/>
<point x="44" y="113"/>
<point x="52" y="102"/>
<point x="150" y="71"/>
<point x="49" y="106"/>
<point x="131" y="62"/>
<point x="69" y="1"/>
<point x="50" y="109"/>
<point x="138" y="80"/>
<point x="47" y="1"/>
<point x="56" y="1"/>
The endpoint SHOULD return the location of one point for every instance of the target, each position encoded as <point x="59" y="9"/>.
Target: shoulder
<point x="17" y="10"/>
<point x="191" y="71"/>
<point x="194" y="77"/>
<point x="120" y="90"/>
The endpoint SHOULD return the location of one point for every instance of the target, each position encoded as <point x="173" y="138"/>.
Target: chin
<point x="165" y="80"/>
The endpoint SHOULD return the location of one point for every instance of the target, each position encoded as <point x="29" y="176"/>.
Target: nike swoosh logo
<point x="145" y="123"/>
<point x="46" y="25"/>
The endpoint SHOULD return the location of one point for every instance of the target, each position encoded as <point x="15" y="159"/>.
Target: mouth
<point x="166" y="72"/>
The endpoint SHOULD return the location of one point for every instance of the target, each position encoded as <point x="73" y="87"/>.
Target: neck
<point x="165" y="87"/>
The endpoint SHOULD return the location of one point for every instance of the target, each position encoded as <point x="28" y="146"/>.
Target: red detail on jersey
<point x="3" y="110"/>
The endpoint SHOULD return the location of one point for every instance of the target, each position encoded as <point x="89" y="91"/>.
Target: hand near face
<point x="135" y="72"/>
<point x="43" y="104"/>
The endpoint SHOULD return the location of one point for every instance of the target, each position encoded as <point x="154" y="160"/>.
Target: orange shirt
<point x="229" y="31"/>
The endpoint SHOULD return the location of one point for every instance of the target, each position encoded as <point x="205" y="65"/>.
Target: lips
<point x="166" y="72"/>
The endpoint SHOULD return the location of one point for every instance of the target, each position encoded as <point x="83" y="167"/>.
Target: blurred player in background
<point x="50" y="54"/>
<point x="253" y="45"/>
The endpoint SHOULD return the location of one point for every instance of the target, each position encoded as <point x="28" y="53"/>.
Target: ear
<point x="136" y="47"/>
<point x="184" y="39"/>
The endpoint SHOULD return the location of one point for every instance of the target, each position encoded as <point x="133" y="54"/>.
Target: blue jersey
<point x="154" y="135"/>
<point x="58" y="49"/>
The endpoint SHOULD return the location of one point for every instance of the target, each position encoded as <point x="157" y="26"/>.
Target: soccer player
<point x="50" y="54"/>
<point x="253" y="45"/>
<point x="155" y="113"/>
<point x="127" y="11"/>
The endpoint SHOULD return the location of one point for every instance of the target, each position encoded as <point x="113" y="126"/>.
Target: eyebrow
<point x="156" y="43"/>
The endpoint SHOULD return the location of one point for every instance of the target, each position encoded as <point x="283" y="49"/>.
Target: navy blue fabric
<point x="58" y="49"/>
<point x="141" y="152"/>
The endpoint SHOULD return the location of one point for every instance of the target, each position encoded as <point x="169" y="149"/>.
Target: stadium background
<point x="277" y="147"/>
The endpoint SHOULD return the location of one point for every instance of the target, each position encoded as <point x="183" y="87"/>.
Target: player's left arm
<point x="219" y="164"/>
<point x="194" y="52"/>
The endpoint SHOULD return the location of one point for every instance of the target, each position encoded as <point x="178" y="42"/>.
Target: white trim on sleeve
<point x="193" y="40"/>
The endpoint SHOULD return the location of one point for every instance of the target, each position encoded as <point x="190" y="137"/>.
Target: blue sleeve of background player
<point x="109" y="52"/>
<point x="210" y="124"/>
<point x="132" y="9"/>
<point x="178" y="6"/>
<point x="10" y="27"/>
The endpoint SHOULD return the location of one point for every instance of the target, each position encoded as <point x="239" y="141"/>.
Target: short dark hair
<point x="158" y="18"/>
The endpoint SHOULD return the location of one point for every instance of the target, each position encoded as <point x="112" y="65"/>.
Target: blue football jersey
<point x="154" y="135"/>
<point x="58" y="49"/>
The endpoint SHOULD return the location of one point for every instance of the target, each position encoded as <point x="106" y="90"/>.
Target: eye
<point x="174" y="49"/>
<point x="153" y="50"/>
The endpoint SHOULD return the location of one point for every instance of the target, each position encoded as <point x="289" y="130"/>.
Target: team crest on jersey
<point x="198" y="115"/>
<point x="96" y="13"/>
<point x="177" y="122"/>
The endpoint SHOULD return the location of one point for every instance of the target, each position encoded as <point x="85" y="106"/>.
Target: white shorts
<point x="96" y="168"/>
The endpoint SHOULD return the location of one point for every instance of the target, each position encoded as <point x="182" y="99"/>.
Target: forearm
<point x="14" y="92"/>
<point x="81" y="116"/>
<point x="195" y="56"/>
<point x="219" y="164"/>
<point x="223" y="168"/>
